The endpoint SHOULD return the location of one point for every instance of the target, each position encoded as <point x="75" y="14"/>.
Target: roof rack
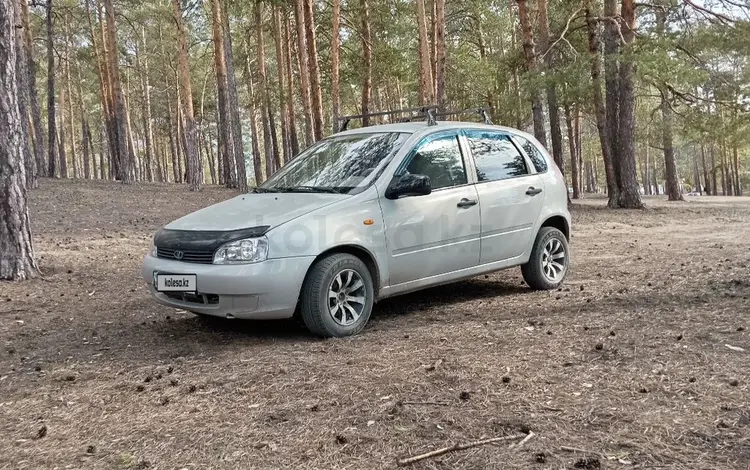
<point x="425" y="112"/>
<point x="480" y="111"/>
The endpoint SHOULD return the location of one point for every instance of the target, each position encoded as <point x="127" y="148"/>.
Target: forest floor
<point x="636" y="363"/>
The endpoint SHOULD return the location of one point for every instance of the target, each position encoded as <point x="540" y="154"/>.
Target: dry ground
<point x="629" y="363"/>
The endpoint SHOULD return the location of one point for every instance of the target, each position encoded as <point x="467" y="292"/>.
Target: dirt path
<point x="629" y="363"/>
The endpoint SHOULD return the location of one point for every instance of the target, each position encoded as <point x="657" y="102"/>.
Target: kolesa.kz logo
<point x="184" y="282"/>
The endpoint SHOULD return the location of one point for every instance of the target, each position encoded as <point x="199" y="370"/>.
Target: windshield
<point x="343" y="164"/>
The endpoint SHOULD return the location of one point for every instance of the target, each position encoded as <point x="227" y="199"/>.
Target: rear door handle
<point x="532" y="191"/>
<point x="467" y="202"/>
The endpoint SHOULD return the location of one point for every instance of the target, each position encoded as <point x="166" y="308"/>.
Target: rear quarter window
<point x="536" y="156"/>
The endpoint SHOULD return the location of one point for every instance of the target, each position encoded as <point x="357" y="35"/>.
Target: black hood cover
<point x="203" y="240"/>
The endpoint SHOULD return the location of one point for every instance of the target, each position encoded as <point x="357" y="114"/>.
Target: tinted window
<point x="441" y="160"/>
<point x="496" y="157"/>
<point x="540" y="163"/>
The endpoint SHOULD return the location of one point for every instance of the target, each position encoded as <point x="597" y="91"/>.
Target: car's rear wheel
<point x="549" y="261"/>
<point x="337" y="296"/>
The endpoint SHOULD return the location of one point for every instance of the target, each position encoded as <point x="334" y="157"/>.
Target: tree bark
<point x="122" y="160"/>
<point x="537" y="109"/>
<point x="440" y="53"/>
<point x="238" y="169"/>
<point x="23" y="99"/>
<point x="706" y="181"/>
<point x="630" y="197"/>
<point x="85" y="132"/>
<point x="426" y="88"/>
<point x="148" y="127"/>
<point x="61" y="151"/>
<point x="16" y="249"/>
<point x="335" y="65"/>
<point x="316" y="98"/>
<point x="71" y="99"/>
<point x="367" y="48"/>
<point x="186" y="93"/>
<point x="304" y="70"/>
<point x="554" y="112"/>
<point x="226" y="145"/>
<point x="574" y="168"/>
<point x="257" y="161"/>
<point x="737" y="181"/>
<point x="293" y="139"/>
<point x="612" y="89"/>
<point x="265" y="101"/>
<point x="51" y="120"/>
<point x="36" y="116"/>
<point x="280" y="77"/>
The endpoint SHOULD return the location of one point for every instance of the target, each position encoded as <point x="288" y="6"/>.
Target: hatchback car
<point x="367" y="214"/>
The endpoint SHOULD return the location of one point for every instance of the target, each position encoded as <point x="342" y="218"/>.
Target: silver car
<point x="367" y="214"/>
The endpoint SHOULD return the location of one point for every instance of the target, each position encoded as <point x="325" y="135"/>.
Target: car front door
<point x="438" y="233"/>
<point x="510" y="195"/>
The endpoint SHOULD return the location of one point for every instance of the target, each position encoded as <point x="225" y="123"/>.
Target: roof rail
<point x="425" y="112"/>
<point x="480" y="111"/>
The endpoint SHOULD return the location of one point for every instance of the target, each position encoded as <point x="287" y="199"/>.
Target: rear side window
<point x="540" y="163"/>
<point x="496" y="157"/>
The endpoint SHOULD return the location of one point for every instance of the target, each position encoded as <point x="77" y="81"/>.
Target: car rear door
<point x="510" y="194"/>
<point x="437" y="233"/>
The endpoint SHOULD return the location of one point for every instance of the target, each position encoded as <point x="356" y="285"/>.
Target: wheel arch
<point x="559" y="222"/>
<point x="360" y="252"/>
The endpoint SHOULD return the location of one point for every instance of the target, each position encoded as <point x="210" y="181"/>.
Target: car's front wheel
<point x="337" y="296"/>
<point x="549" y="261"/>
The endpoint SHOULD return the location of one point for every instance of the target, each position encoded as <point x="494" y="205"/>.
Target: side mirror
<point x="409" y="185"/>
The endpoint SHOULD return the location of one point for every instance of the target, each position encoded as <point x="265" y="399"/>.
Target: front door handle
<point x="532" y="191"/>
<point x="467" y="202"/>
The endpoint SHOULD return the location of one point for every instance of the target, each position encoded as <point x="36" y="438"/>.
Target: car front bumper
<point x="262" y="291"/>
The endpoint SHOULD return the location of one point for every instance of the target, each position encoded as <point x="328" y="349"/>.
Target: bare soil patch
<point x="626" y="367"/>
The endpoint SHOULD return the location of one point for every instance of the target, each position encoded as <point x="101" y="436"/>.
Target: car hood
<point x="254" y="210"/>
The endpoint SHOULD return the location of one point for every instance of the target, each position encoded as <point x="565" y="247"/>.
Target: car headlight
<point x="248" y="250"/>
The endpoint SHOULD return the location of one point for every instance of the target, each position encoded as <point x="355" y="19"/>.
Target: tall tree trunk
<point x="554" y="112"/>
<point x="737" y="181"/>
<point x="574" y="168"/>
<point x="23" y="99"/>
<point x="304" y="70"/>
<point x="367" y="48"/>
<point x="36" y="115"/>
<point x="696" y="174"/>
<point x="440" y="53"/>
<point x="293" y="140"/>
<point x="706" y="181"/>
<point x="62" y="152"/>
<point x="647" y="166"/>
<point x="103" y="153"/>
<point x="280" y="77"/>
<point x="148" y="128"/>
<point x="257" y="161"/>
<point x="226" y="145"/>
<point x="630" y="197"/>
<point x="51" y="119"/>
<point x="316" y="98"/>
<point x="16" y="249"/>
<point x="71" y="99"/>
<point x="612" y="87"/>
<point x="186" y="94"/>
<point x="122" y="160"/>
<point x="85" y="132"/>
<point x="714" y="180"/>
<point x="335" y="66"/>
<point x="103" y="77"/>
<point x="265" y="101"/>
<point x="237" y="165"/>
<point x="537" y="109"/>
<point x="426" y="88"/>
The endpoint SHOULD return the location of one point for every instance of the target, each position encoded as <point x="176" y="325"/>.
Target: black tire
<point x="534" y="271"/>
<point x="315" y="309"/>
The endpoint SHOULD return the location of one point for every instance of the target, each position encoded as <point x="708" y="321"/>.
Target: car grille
<point x="201" y="257"/>
<point x="189" y="297"/>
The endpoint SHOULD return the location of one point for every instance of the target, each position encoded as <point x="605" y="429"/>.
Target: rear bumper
<point x="267" y="290"/>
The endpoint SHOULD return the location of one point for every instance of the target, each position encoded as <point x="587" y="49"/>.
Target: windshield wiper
<point x="266" y="190"/>
<point x="311" y="189"/>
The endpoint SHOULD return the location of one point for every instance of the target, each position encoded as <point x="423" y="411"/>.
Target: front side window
<point x="540" y="163"/>
<point x="441" y="160"/>
<point x="495" y="156"/>
<point x="341" y="164"/>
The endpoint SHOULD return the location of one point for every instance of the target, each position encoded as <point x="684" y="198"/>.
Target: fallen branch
<point x="525" y="439"/>
<point x="436" y="453"/>
<point x="416" y="403"/>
